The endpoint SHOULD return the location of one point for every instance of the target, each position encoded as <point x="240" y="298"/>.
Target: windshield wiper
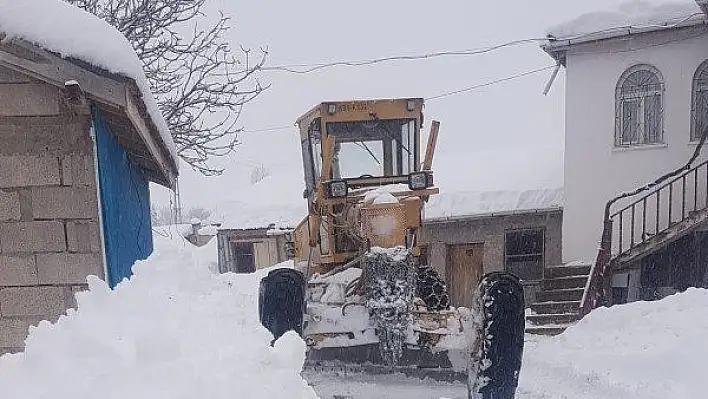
<point x="364" y="146"/>
<point x="393" y="137"/>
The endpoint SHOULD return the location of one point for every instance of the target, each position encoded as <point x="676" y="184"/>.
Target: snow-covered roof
<point x="631" y="17"/>
<point x="73" y="33"/>
<point x="273" y="203"/>
<point x="486" y="203"/>
<point x="453" y="205"/>
<point x="251" y="216"/>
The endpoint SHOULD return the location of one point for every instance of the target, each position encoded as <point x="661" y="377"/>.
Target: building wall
<point x="49" y="232"/>
<point x="268" y="250"/>
<point x="491" y="231"/>
<point x="595" y="171"/>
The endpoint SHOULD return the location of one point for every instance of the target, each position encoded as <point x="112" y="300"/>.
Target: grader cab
<point x="354" y="149"/>
<point x="370" y="297"/>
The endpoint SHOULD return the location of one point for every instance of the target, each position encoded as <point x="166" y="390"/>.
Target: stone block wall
<point x="49" y="228"/>
<point x="490" y="231"/>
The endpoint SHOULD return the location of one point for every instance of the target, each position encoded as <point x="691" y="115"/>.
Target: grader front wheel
<point x="496" y="364"/>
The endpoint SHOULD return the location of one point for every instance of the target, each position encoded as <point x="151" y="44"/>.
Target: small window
<point x="242" y="257"/>
<point x="524" y="253"/>
<point x="699" y="102"/>
<point x="639" y="107"/>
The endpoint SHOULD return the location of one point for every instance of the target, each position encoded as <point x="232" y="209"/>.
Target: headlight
<point x="417" y="180"/>
<point x="337" y="189"/>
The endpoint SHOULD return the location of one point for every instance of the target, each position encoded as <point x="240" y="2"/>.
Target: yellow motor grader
<point x="368" y="295"/>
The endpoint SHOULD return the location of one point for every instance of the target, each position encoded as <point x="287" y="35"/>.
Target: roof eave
<point x="115" y="91"/>
<point x="477" y="216"/>
<point x="557" y="47"/>
<point x="137" y="112"/>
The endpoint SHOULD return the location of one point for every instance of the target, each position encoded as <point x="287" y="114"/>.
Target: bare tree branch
<point x="200" y="85"/>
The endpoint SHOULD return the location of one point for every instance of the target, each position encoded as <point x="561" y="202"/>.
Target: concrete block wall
<point x="490" y="231"/>
<point x="49" y="228"/>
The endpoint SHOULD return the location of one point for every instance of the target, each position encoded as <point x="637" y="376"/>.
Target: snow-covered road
<point x="358" y="386"/>
<point x="540" y="379"/>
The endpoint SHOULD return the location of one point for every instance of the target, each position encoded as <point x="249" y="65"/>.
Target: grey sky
<point x="507" y="136"/>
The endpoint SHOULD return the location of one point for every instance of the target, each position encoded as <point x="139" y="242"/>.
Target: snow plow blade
<point x="493" y="332"/>
<point x="366" y="360"/>
<point x="367" y="368"/>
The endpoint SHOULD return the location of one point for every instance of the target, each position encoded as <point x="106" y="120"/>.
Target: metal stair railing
<point x="671" y="199"/>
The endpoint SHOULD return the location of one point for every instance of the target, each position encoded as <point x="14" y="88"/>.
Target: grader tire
<point x="281" y="302"/>
<point x="501" y="297"/>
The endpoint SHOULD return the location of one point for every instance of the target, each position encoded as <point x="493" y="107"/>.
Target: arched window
<point x="639" y="107"/>
<point x="699" y="102"/>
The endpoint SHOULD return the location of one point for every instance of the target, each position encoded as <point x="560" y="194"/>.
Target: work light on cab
<point x="337" y="189"/>
<point x="418" y="180"/>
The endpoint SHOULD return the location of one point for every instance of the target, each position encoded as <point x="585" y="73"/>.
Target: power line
<point x="445" y="94"/>
<point x="268" y="129"/>
<point x="490" y="83"/>
<point x="312" y="67"/>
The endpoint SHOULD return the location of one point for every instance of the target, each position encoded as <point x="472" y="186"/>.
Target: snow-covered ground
<point x="178" y="330"/>
<point x="175" y="331"/>
<point x="641" y="350"/>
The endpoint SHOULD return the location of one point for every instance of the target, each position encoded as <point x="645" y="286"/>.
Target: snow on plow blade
<point x="482" y="346"/>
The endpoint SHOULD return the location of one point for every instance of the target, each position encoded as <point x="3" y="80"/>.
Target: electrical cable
<point x="312" y="67"/>
<point x="490" y="83"/>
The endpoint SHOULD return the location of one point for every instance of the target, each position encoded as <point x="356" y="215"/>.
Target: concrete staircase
<point x="558" y="300"/>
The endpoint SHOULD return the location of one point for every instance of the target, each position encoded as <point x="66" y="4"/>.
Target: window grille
<point x="639" y="107"/>
<point x="699" y="102"/>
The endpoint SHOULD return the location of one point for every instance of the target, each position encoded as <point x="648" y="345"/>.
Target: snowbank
<point x="174" y="331"/>
<point x="639" y="350"/>
<point x="71" y="32"/>
<point x="636" y="14"/>
<point x="170" y="239"/>
<point x="472" y="203"/>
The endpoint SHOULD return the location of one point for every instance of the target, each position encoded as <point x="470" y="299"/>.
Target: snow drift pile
<point x="174" y="331"/>
<point x="639" y="350"/>
<point x="171" y="239"/>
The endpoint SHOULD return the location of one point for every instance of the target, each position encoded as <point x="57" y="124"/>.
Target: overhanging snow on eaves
<point x="556" y="47"/>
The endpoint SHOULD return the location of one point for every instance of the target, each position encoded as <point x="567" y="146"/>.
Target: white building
<point x="636" y="104"/>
